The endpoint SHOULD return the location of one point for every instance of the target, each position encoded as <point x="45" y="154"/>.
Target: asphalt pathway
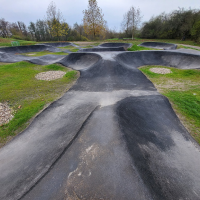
<point x="111" y="136"/>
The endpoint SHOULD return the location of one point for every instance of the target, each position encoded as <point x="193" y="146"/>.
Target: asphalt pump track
<point x="111" y="136"/>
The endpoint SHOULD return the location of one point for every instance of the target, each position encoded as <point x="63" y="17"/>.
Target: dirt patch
<point x="50" y="75"/>
<point x="179" y="85"/>
<point x="161" y="70"/>
<point x="5" y="113"/>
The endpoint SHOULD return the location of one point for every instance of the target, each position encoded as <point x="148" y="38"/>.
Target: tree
<point x="131" y="20"/>
<point x="195" y="32"/>
<point x="79" y="29"/>
<point x="55" y="21"/>
<point x="126" y="23"/>
<point x="93" y="21"/>
<point x="32" y="30"/>
<point x="4" y="28"/>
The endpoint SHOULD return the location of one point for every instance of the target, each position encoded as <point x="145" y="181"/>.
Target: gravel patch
<point x="50" y="75"/>
<point x="161" y="70"/>
<point x="5" y="113"/>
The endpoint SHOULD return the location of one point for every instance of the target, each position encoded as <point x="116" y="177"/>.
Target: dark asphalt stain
<point x="147" y="121"/>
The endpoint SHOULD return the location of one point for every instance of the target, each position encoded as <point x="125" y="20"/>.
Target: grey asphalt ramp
<point x="30" y="48"/>
<point x="102" y="49"/>
<point x="108" y="47"/>
<point x="114" y="45"/>
<point x="159" y="45"/>
<point x="59" y="44"/>
<point x="111" y="136"/>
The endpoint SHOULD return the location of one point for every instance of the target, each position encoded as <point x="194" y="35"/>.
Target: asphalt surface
<point x="111" y="136"/>
<point x="159" y="45"/>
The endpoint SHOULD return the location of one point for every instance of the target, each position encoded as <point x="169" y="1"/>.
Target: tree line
<point x="179" y="24"/>
<point x="54" y="27"/>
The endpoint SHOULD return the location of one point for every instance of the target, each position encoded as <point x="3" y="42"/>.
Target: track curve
<point x="111" y="136"/>
<point x="159" y="45"/>
<point x="114" y="45"/>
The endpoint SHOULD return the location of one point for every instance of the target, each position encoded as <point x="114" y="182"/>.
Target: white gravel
<point x="161" y="70"/>
<point x="5" y="113"/>
<point x="50" y="75"/>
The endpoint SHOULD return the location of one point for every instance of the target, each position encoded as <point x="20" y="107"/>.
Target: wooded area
<point x="179" y="24"/>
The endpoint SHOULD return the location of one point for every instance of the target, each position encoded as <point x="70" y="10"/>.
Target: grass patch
<point x="113" y="39"/>
<point x="70" y="48"/>
<point x="82" y="44"/>
<point x="186" y="47"/>
<point x="43" y="53"/>
<point x="26" y="95"/>
<point x="88" y="47"/>
<point x="66" y="47"/>
<point x="6" y="42"/>
<point x="74" y="50"/>
<point x="71" y="74"/>
<point x="182" y="88"/>
<point x="138" y="48"/>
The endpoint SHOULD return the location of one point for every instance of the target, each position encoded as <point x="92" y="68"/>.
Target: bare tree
<point x="4" y="28"/>
<point x="131" y="20"/>
<point x="93" y="21"/>
<point x="55" y="21"/>
<point x="126" y="23"/>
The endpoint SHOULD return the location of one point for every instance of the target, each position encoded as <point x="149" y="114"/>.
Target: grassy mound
<point x="182" y="88"/>
<point x="26" y="95"/>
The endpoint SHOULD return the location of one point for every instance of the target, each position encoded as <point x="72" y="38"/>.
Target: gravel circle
<point x="50" y="75"/>
<point x="161" y="70"/>
<point x="5" y="113"/>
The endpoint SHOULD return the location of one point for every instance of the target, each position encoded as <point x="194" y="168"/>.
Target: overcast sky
<point x="113" y="10"/>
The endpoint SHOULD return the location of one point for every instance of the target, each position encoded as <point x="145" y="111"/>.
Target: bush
<point x="77" y="38"/>
<point x="17" y="37"/>
<point x="195" y="32"/>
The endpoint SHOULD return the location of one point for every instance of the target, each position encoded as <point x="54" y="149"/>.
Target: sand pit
<point x="161" y="70"/>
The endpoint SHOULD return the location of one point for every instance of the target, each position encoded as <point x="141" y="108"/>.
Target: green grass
<point x="182" y="88"/>
<point x="113" y="39"/>
<point x="88" y="47"/>
<point x="6" y="42"/>
<point x="19" y="87"/>
<point x="186" y="47"/>
<point x="71" y="75"/>
<point x="70" y="48"/>
<point x="139" y="48"/>
<point x="74" y="50"/>
<point x="43" y="53"/>
<point x="66" y="47"/>
<point x="81" y="44"/>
